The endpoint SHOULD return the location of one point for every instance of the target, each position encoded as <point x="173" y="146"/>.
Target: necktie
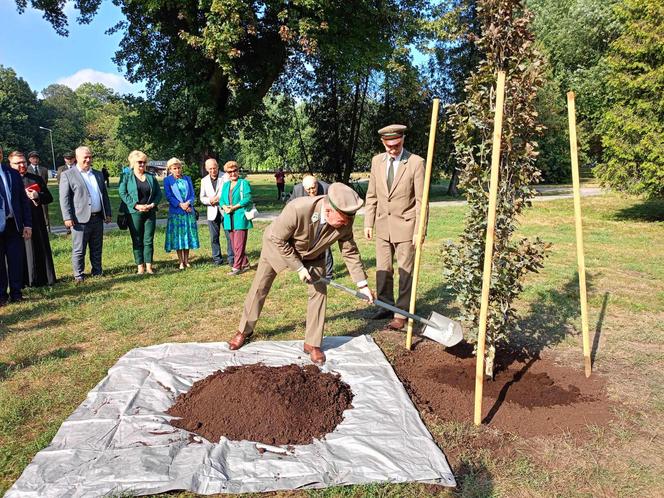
<point x="390" y="174"/>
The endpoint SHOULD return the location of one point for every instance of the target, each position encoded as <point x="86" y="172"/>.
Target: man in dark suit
<point x="297" y="240"/>
<point x="85" y="207"/>
<point x="15" y="225"/>
<point x="311" y="187"/>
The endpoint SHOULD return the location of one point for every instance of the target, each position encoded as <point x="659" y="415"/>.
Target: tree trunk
<point x="454" y="182"/>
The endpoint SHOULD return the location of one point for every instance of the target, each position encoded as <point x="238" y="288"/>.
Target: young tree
<point x="505" y="43"/>
<point x="633" y="126"/>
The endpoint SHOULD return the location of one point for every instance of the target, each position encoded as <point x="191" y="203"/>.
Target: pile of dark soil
<point x="529" y="396"/>
<point x="271" y="405"/>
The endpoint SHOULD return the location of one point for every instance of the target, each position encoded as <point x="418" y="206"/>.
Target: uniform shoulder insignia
<point x="315" y="217"/>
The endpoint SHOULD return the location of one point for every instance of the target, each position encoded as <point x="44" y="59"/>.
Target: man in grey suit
<point x="311" y="187"/>
<point x="85" y="207"/>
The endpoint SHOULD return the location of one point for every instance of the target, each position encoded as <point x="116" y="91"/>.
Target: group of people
<point x="316" y="216"/>
<point x="308" y="226"/>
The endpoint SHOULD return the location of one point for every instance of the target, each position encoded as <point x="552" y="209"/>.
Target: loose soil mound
<point x="533" y="397"/>
<point x="271" y="405"/>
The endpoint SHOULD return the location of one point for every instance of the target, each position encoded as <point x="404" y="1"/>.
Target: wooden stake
<point x="571" y="113"/>
<point x="488" y="246"/>
<point x="424" y="212"/>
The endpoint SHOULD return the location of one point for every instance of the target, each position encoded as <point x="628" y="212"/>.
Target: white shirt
<point x="397" y="161"/>
<point x="93" y="189"/>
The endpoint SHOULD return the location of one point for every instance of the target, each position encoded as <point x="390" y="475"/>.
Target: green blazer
<point x="129" y="192"/>
<point x="241" y="195"/>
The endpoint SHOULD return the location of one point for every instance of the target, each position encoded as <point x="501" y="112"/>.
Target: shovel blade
<point x="446" y="331"/>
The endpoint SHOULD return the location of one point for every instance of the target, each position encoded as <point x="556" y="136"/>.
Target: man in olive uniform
<point x="393" y="206"/>
<point x="297" y="240"/>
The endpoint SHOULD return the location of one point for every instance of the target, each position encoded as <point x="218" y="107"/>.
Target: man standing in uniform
<point x="39" y="170"/>
<point x="85" y="207"/>
<point x="70" y="160"/>
<point x="297" y="240"/>
<point x="393" y="205"/>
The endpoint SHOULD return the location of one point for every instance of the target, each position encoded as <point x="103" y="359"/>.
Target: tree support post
<point x="424" y="214"/>
<point x="488" y="246"/>
<point x="571" y="113"/>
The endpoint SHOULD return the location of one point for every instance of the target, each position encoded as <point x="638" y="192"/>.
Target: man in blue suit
<point x="15" y="225"/>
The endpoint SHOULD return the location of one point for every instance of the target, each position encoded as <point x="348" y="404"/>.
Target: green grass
<point x="59" y="343"/>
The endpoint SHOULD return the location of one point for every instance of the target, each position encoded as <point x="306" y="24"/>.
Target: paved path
<point x="546" y="193"/>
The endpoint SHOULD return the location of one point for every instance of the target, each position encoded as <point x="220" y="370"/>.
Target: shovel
<point x="438" y="328"/>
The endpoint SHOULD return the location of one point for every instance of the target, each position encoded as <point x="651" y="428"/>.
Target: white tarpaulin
<point x="119" y="441"/>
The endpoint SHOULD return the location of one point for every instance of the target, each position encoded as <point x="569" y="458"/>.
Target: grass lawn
<point x="59" y="343"/>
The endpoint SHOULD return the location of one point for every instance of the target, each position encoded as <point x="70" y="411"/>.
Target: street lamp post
<point x="50" y="132"/>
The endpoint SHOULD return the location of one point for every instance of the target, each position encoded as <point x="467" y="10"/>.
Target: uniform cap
<point x="69" y="155"/>
<point x="34" y="153"/>
<point x="392" y="131"/>
<point x="344" y="199"/>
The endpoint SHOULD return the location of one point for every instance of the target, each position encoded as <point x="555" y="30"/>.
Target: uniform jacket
<point x="128" y="190"/>
<point x="75" y="199"/>
<point x="173" y="194"/>
<point x="62" y="169"/>
<point x="21" y="205"/>
<point x="290" y="241"/>
<point x="207" y="192"/>
<point x="241" y="196"/>
<point x="41" y="171"/>
<point x="396" y="213"/>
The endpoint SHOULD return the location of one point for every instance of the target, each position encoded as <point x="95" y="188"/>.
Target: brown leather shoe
<point x="315" y="354"/>
<point x="396" y="323"/>
<point x="237" y="341"/>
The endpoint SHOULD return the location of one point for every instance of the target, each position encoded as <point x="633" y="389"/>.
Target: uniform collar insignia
<point x="315" y="217"/>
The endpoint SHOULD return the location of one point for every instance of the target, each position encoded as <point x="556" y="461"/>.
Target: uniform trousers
<point x="316" y="302"/>
<point x="84" y="235"/>
<point x="405" y="256"/>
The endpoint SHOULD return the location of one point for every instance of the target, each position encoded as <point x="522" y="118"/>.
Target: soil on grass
<point x="528" y="397"/>
<point x="285" y="405"/>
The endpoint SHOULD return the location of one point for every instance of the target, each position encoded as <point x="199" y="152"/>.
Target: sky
<point x="30" y="46"/>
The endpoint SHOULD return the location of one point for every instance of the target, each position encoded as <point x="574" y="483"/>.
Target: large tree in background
<point x="575" y="36"/>
<point x="633" y="125"/>
<point x="506" y="43"/>
<point x="61" y="111"/>
<point x="207" y="62"/>
<point x="18" y="112"/>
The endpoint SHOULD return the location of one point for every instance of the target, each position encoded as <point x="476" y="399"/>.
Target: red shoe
<point x="237" y="341"/>
<point x="315" y="354"/>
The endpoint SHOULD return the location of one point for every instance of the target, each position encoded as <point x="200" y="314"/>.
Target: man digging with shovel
<point x="297" y="240"/>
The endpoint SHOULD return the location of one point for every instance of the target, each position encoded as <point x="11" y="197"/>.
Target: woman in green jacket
<point x="140" y="194"/>
<point x="235" y="200"/>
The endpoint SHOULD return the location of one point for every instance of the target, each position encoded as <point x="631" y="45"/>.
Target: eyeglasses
<point x="141" y="162"/>
<point x="230" y="172"/>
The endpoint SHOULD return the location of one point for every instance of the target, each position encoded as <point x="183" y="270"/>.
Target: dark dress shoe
<point x="396" y="323"/>
<point x="380" y="314"/>
<point x="315" y="354"/>
<point x="237" y="341"/>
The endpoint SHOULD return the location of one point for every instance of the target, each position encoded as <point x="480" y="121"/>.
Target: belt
<point x="98" y="213"/>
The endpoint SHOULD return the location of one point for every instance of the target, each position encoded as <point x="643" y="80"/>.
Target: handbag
<point x="250" y="214"/>
<point x="123" y="221"/>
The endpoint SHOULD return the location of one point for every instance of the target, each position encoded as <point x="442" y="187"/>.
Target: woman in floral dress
<point x="181" y="228"/>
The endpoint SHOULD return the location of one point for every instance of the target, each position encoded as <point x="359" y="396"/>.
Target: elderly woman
<point x="235" y="199"/>
<point x="140" y="194"/>
<point x="38" y="269"/>
<point x="181" y="229"/>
